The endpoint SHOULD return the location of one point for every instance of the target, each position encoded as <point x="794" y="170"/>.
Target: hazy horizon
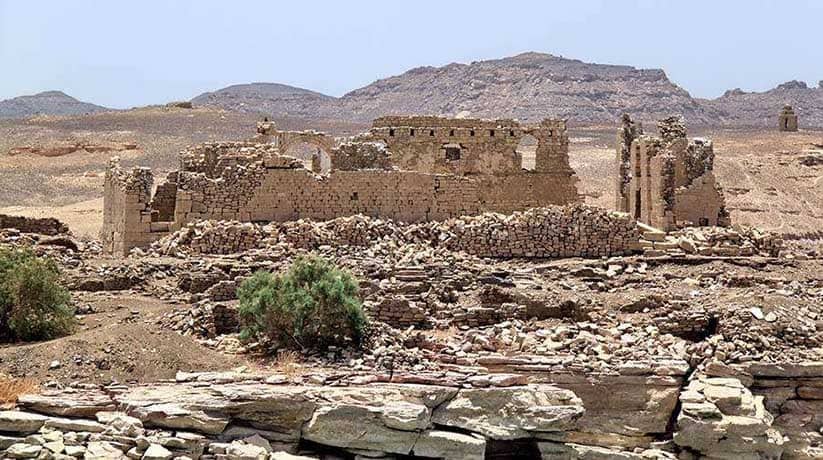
<point x="124" y="55"/>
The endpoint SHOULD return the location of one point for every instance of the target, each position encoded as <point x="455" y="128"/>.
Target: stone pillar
<point x="552" y="153"/>
<point x="628" y="132"/>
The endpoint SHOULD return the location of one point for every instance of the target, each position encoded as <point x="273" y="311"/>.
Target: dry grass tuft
<point x="444" y="334"/>
<point x="288" y="363"/>
<point x="11" y="389"/>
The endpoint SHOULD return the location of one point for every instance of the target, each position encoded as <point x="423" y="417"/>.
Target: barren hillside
<point x="47" y="103"/>
<point x="272" y="99"/>
<point x="528" y="86"/>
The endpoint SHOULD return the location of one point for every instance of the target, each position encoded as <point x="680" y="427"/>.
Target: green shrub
<point x="33" y="305"/>
<point x="313" y="304"/>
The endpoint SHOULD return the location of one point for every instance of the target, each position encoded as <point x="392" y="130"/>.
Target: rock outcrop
<point x="251" y="419"/>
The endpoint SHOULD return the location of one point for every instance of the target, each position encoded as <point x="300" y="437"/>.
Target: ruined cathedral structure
<point x="667" y="181"/>
<point x="408" y="169"/>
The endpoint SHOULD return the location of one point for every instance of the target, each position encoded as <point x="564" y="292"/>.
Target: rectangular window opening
<point x="452" y="153"/>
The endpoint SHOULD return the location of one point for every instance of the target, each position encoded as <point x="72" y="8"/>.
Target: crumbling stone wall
<point x="669" y="182"/>
<point x="380" y="174"/>
<point x="43" y="226"/>
<point x="549" y="232"/>
<point x="354" y="156"/>
<point x="628" y="132"/>
<point x="787" y="120"/>
<point x="471" y="146"/>
<point x="571" y="231"/>
<point x="164" y="199"/>
<point x="127" y="214"/>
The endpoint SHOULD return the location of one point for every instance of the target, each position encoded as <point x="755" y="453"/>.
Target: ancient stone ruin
<point x="667" y="182"/>
<point x="409" y="169"/>
<point x="787" y="120"/>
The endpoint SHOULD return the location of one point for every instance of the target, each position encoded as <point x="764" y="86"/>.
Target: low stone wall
<point x="573" y="231"/>
<point x="43" y="226"/>
<point x="551" y="232"/>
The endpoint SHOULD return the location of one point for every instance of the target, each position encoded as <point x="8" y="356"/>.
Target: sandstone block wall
<point x="388" y="172"/>
<point x="575" y="231"/>
<point x="127" y="214"/>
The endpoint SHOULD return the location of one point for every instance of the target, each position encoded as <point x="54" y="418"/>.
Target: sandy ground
<point x="84" y="218"/>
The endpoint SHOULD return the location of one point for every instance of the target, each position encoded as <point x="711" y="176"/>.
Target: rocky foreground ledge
<point x="754" y="411"/>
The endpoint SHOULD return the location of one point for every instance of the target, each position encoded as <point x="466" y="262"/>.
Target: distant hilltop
<point x="46" y="103"/>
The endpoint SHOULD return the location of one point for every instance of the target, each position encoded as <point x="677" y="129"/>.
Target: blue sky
<point x="129" y="53"/>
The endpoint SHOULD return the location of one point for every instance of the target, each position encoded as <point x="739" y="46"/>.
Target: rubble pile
<point x="712" y="241"/>
<point x="211" y="237"/>
<point x="355" y="230"/>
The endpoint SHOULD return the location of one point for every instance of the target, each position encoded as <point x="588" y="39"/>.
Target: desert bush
<point x="313" y="304"/>
<point x="33" y="304"/>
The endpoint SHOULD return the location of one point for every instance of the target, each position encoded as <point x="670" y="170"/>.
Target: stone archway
<point x="304" y="146"/>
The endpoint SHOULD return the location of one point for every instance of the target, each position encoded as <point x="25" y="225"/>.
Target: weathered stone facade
<point x="409" y="169"/>
<point x="668" y="181"/>
<point x="128" y="219"/>
<point x="787" y="120"/>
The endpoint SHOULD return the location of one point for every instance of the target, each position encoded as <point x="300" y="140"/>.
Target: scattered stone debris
<point x="69" y="148"/>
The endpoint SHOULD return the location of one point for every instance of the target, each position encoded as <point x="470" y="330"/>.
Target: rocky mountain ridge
<point x="531" y="86"/>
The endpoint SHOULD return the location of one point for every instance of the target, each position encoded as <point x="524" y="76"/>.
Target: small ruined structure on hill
<point x="787" y="120"/>
<point x="668" y="181"/>
<point x="410" y="169"/>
